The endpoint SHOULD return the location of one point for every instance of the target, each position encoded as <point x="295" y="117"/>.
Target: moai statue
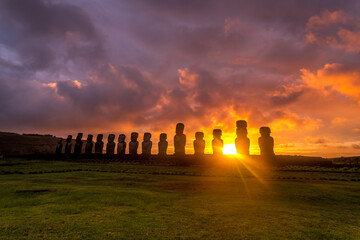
<point x="68" y="145"/>
<point x="133" y="144"/>
<point x="110" y="146"/>
<point x="199" y="143"/>
<point x="163" y="144"/>
<point x="59" y="146"/>
<point x="78" y="144"/>
<point x="146" y="144"/>
<point x="217" y="142"/>
<point x="99" y="145"/>
<point x="242" y="142"/>
<point x="89" y="144"/>
<point x="266" y="143"/>
<point x="179" y="140"/>
<point x="121" y="144"/>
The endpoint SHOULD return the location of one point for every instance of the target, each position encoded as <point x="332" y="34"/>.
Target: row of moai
<point x="242" y="143"/>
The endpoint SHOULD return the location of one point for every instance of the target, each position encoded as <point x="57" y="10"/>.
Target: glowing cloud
<point x="334" y="77"/>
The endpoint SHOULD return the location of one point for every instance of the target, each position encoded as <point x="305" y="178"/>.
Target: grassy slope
<point x="147" y="202"/>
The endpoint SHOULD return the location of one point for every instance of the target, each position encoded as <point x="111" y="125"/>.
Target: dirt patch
<point x="134" y="179"/>
<point x="33" y="191"/>
<point x="200" y="186"/>
<point x="309" y="180"/>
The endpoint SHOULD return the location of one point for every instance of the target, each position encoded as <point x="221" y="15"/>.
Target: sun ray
<point x="247" y="165"/>
<point x="243" y="180"/>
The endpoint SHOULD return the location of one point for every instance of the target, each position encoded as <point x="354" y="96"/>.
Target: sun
<point x="229" y="149"/>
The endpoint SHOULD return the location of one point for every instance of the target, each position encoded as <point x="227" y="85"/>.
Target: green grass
<point x="63" y="200"/>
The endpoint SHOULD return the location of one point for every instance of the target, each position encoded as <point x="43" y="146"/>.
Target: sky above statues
<point x="124" y="66"/>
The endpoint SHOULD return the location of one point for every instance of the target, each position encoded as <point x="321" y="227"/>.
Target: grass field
<point x="65" y="200"/>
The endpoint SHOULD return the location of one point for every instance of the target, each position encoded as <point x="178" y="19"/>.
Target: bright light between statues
<point x="229" y="149"/>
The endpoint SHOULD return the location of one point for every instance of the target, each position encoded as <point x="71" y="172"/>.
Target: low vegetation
<point x="66" y="200"/>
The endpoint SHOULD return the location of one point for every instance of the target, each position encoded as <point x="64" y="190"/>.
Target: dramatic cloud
<point x="336" y="29"/>
<point x="122" y="66"/>
<point x="341" y="78"/>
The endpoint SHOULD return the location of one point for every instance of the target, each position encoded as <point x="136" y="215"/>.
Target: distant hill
<point x="14" y="144"/>
<point x="352" y="161"/>
<point x="302" y="160"/>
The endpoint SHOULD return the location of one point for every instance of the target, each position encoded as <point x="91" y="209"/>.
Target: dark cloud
<point x="47" y="19"/>
<point x="337" y="29"/>
<point x="43" y="35"/>
<point x="123" y="90"/>
<point x="286" y="99"/>
<point x="60" y="42"/>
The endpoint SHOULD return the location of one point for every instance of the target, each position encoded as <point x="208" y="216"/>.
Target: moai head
<point x="111" y="138"/>
<point x="241" y="132"/>
<point x="147" y="137"/>
<point x="134" y="136"/>
<point x="69" y="138"/>
<point x="121" y="138"/>
<point x="60" y="141"/>
<point x="180" y="128"/>
<point x="163" y="137"/>
<point x="265" y="131"/>
<point x="241" y="124"/>
<point x="199" y="136"/>
<point x="79" y="136"/>
<point x="217" y="133"/>
<point x="99" y="137"/>
<point x="89" y="138"/>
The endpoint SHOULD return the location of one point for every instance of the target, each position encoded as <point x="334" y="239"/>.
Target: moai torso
<point x="146" y="144"/>
<point x="163" y="144"/>
<point x="68" y="145"/>
<point x="99" y="145"/>
<point x="110" y="146"/>
<point x="242" y="146"/>
<point x="199" y="143"/>
<point x="78" y="144"/>
<point x="59" y="146"/>
<point x="179" y="140"/>
<point x="134" y="144"/>
<point x="217" y="142"/>
<point x="89" y="144"/>
<point x="242" y="142"/>
<point x="121" y="144"/>
<point x="266" y="143"/>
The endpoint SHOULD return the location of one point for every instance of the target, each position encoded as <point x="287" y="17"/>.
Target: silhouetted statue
<point x="241" y="124"/>
<point x="89" y="144"/>
<point x="179" y="140"/>
<point x="78" y="144"/>
<point x="134" y="144"/>
<point x="266" y="143"/>
<point x="110" y="146"/>
<point x="199" y="143"/>
<point x="217" y="142"/>
<point x="146" y="145"/>
<point x="163" y="144"/>
<point x="68" y="144"/>
<point x="121" y="144"/>
<point x="99" y="145"/>
<point x="242" y="142"/>
<point x="59" y="146"/>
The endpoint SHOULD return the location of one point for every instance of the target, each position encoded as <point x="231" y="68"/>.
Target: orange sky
<point x="123" y="66"/>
